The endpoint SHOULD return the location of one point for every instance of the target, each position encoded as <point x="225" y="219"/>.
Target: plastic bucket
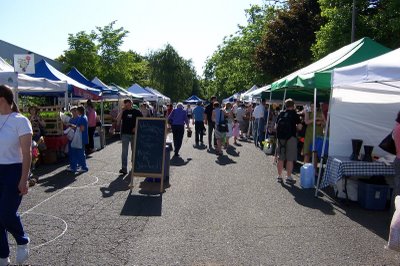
<point x="307" y="177"/>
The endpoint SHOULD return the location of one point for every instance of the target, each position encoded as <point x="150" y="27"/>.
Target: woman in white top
<point x="15" y="162"/>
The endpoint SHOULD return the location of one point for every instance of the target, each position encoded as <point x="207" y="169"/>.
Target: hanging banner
<point x="85" y="94"/>
<point x="24" y="63"/>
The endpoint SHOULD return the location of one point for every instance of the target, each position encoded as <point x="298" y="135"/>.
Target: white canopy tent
<point x="256" y="94"/>
<point x="161" y="96"/>
<point x="24" y="84"/>
<point x="146" y="95"/>
<point x="246" y="95"/>
<point x="365" y="102"/>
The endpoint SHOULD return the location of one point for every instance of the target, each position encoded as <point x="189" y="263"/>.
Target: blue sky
<point x="193" y="27"/>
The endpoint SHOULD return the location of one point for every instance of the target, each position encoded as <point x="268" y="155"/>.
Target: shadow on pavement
<point x="57" y="181"/>
<point x="179" y="161"/>
<point x="200" y="147"/>
<point x="112" y="139"/>
<point x="211" y="150"/>
<point x="140" y="205"/>
<point x="305" y="197"/>
<point x="119" y="184"/>
<point x="44" y="169"/>
<point x="224" y="160"/>
<point x="232" y="151"/>
<point x="377" y="221"/>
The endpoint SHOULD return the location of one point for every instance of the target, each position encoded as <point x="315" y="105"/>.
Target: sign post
<point x="149" y="149"/>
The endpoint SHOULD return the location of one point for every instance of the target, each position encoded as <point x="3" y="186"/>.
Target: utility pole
<point x="353" y="22"/>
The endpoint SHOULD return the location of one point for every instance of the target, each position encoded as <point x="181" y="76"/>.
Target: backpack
<point x="284" y="126"/>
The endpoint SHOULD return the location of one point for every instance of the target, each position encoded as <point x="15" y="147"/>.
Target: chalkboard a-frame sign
<point x="149" y="148"/>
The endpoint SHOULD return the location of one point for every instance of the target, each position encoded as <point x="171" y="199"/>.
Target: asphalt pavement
<point x="226" y="210"/>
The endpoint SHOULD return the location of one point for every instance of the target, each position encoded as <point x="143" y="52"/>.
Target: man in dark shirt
<point x="208" y="121"/>
<point x="127" y="120"/>
<point x="288" y="122"/>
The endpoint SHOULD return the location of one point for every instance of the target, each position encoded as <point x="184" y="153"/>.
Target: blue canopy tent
<point x="192" y="100"/>
<point x="75" y="88"/>
<point x="78" y="76"/>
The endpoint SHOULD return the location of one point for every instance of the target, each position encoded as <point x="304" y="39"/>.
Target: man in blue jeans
<point x="259" y="123"/>
<point x="127" y="120"/>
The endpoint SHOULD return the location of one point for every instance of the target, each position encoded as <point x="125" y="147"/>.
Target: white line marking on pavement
<point x="85" y="186"/>
<point x="54" y="239"/>
<point x="68" y="187"/>
<point x="42" y="202"/>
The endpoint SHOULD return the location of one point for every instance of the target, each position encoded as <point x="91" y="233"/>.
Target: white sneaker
<point x="5" y="261"/>
<point x="22" y="253"/>
<point x="290" y="180"/>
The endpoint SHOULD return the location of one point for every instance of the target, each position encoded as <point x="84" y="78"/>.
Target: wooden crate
<point x="55" y="108"/>
<point x="108" y="119"/>
<point x="54" y="125"/>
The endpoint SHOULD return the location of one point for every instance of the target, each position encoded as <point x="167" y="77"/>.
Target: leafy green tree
<point x="98" y="54"/>
<point x="112" y="59"/>
<point x="377" y="19"/>
<point x="387" y="23"/>
<point x="232" y="67"/>
<point x="171" y="74"/>
<point x="286" y="43"/>
<point x="129" y="68"/>
<point x="82" y="54"/>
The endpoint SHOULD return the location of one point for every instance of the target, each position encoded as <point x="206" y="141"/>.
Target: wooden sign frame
<point x="147" y="174"/>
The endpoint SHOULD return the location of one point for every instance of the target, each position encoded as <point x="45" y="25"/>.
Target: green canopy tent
<point x="315" y="79"/>
<point x="318" y="74"/>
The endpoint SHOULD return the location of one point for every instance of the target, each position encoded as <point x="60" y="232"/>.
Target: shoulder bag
<point x="76" y="142"/>
<point x="222" y="125"/>
<point x="388" y="145"/>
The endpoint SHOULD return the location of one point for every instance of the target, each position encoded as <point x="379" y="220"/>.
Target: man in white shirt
<point x="240" y="113"/>
<point x="259" y="123"/>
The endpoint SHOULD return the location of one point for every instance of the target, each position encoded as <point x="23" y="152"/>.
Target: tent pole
<point x="102" y="111"/>
<point x="324" y="144"/>
<point x="16" y="90"/>
<point x="269" y="109"/>
<point x="283" y="101"/>
<point x="314" y="126"/>
<point x="66" y="100"/>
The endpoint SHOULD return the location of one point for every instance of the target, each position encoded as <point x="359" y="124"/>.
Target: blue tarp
<point x="193" y="100"/>
<point x="45" y="70"/>
<point x="78" y="76"/>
